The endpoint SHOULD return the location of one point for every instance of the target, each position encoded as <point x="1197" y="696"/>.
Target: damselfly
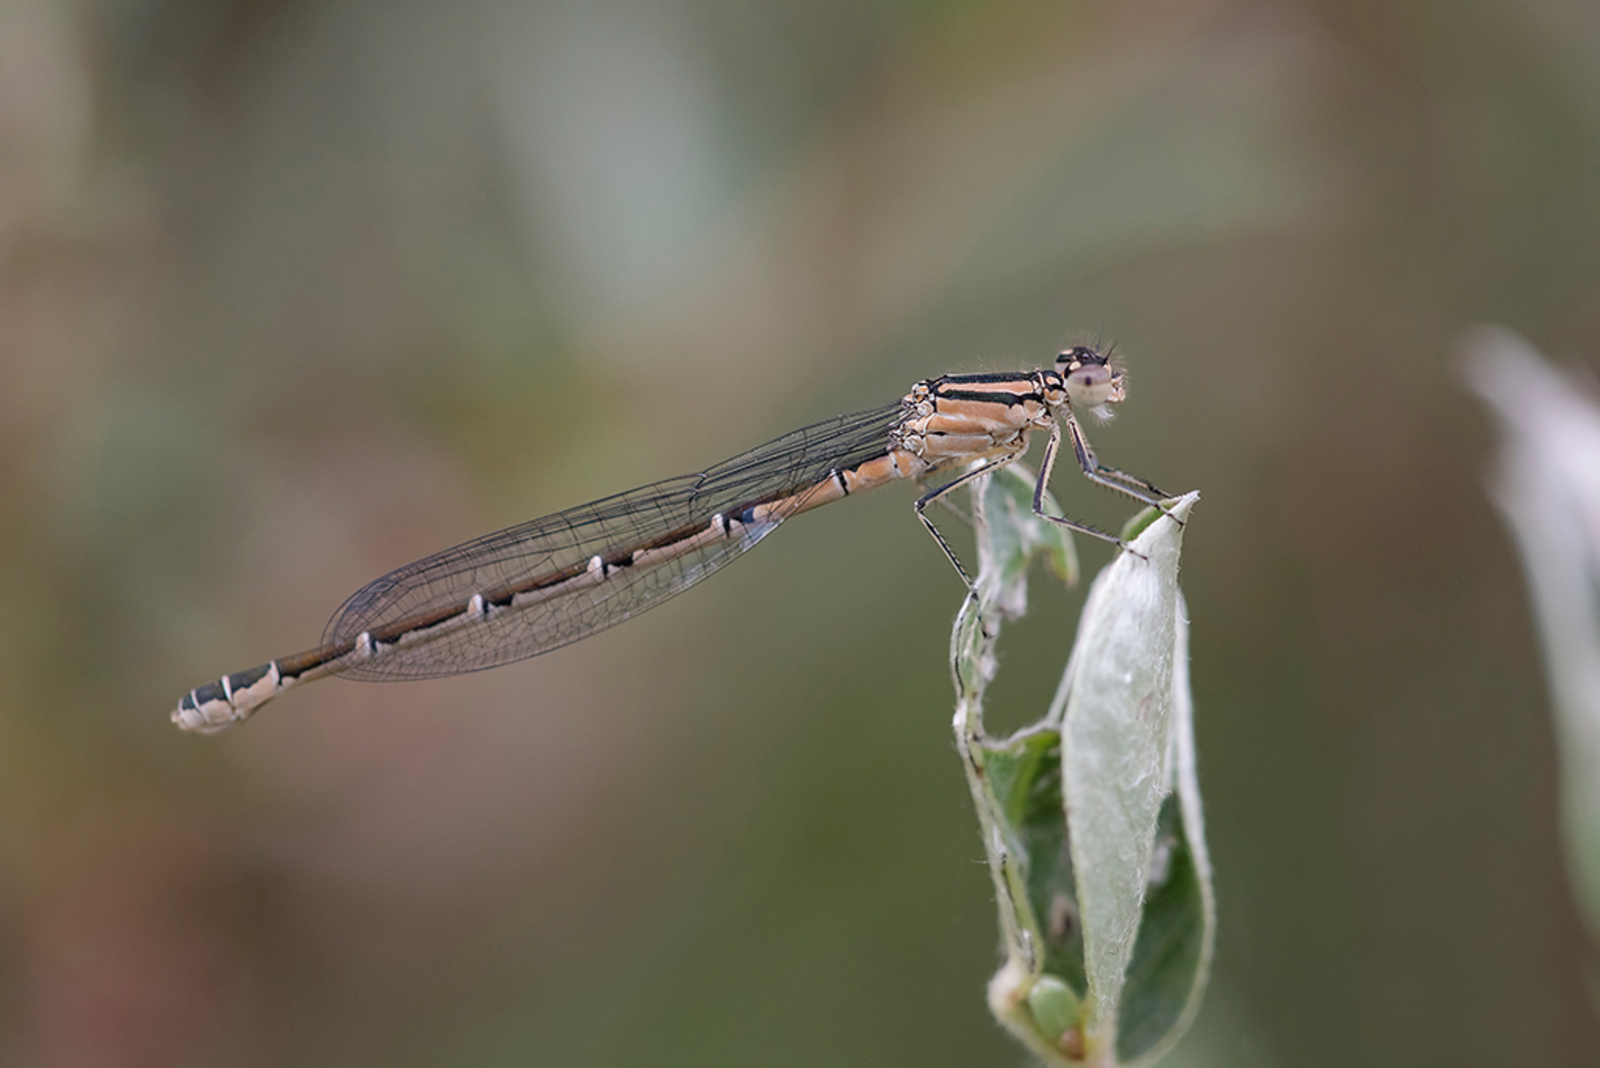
<point x="553" y="581"/>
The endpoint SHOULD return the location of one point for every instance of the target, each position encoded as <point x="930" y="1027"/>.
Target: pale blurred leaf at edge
<point x="1546" y="483"/>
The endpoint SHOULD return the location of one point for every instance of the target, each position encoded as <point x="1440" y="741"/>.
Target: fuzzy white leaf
<point x="1116" y="748"/>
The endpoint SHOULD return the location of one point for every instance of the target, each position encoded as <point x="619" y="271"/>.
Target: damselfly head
<point x="1090" y="380"/>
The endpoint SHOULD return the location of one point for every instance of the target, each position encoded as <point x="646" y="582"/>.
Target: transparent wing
<point x="427" y="609"/>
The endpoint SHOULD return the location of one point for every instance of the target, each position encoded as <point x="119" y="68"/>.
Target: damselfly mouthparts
<point x="553" y="581"/>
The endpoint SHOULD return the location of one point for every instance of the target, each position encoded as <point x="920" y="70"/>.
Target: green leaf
<point x="1025" y="775"/>
<point x="1172" y="941"/>
<point x="1011" y="536"/>
<point x="1090" y="819"/>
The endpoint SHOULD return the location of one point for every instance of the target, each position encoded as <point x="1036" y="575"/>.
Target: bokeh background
<point x="294" y="292"/>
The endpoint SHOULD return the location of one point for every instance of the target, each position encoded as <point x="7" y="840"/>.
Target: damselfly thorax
<point x="553" y="581"/>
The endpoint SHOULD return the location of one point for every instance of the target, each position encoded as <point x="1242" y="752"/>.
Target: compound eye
<point x="1089" y="385"/>
<point x="1078" y="356"/>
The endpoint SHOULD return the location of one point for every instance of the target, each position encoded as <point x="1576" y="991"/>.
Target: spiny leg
<point x="1132" y="480"/>
<point x="935" y="494"/>
<point x="1109" y="477"/>
<point x="1051" y="448"/>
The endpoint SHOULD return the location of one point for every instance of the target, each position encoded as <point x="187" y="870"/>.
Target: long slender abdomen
<point x="218" y="705"/>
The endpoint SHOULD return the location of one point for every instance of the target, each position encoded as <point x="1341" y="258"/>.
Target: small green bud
<point x="1058" y="1014"/>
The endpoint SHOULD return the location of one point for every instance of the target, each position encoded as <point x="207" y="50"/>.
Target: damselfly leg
<point x="1120" y="481"/>
<point x="940" y="493"/>
<point x="1052" y="448"/>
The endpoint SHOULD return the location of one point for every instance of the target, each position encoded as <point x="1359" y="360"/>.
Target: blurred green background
<point x="292" y="293"/>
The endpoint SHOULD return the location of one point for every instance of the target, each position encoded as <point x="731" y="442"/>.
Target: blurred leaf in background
<point x="1546" y="483"/>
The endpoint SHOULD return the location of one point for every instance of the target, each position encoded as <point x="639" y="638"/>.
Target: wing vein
<point x="423" y="616"/>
